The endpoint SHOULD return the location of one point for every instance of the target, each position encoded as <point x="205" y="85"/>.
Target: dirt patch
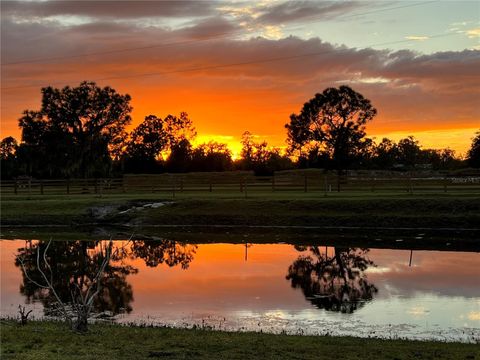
<point x="108" y="211"/>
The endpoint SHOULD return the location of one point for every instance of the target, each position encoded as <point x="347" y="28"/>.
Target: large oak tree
<point x="332" y="122"/>
<point x="73" y="131"/>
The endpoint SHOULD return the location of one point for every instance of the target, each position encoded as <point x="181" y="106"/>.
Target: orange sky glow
<point x="223" y="116"/>
<point x="229" y="66"/>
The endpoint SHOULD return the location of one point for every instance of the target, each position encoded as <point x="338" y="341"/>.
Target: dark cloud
<point x="289" y="59"/>
<point x="291" y="11"/>
<point x="449" y="64"/>
<point x="210" y="27"/>
<point x="108" y="9"/>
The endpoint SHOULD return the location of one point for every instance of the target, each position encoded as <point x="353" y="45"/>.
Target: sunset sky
<point x="247" y="65"/>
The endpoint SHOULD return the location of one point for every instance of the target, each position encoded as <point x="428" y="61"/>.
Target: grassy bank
<point x="339" y="212"/>
<point x="277" y="210"/>
<point x="49" y="340"/>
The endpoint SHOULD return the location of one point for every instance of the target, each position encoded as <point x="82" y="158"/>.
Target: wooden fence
<point x="245" y="183"/>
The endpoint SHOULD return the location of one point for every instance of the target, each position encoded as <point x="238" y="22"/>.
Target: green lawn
<point x="48" y="340"/>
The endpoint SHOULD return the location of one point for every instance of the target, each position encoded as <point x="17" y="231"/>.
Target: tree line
<point x="81" y="132"/>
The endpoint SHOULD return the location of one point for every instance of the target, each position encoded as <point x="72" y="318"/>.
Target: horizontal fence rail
<point x="245" y="183"/>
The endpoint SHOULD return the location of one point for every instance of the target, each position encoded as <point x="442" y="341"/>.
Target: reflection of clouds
<point x="275" y="313"/>
<point x="378" y="270"/>
<point x="418" y="311"/>
<point x="442" y="273"/>
<point x="474" y="315"/>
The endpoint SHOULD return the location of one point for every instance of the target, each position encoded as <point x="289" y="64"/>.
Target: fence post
<point x="181" y="185"/>
<point x="338" y="180"/>
<point x="41" y="186"/>
<point x="410" y="184"/>
<point x="15" y="187"/>
<point x="68" y="186"/>
<point x="245" y="187"/>
<point x="325" y="180"/>
<point x="445" y="184"/>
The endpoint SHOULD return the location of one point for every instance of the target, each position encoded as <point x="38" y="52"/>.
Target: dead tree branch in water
<point x="83" y="290"/>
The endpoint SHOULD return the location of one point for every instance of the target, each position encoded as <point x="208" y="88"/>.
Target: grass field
<point x="276" y="209"/>
<point x="50" y="340"/>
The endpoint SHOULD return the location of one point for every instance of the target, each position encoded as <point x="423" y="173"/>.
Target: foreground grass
<point x="50" y="340"/>
<point x="297" y="209"/>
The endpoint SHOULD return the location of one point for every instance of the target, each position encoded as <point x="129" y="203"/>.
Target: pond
<point x="269" y="287"/>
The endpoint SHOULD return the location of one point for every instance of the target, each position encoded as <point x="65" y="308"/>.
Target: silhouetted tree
<point x="179" y="129"/>
<point x="46" y="150"/>
<point x="155" y="137"/>
<point x="333" y="120"/>
<point x="8" y="157"/>
<point x="409" y="152"/>
<point x="313" y="156"/>
<point x="261" y="158"/>
<point x="70" y="135"/>
<point x="386" y="154"/>
<point x="247" y="150"/>
<point x="180" y="156"/>
<point x="147" y="141"/>
<point x="212" y="156"/>
<point x="335" y="282"/>
<point x="364" y="154"/>
<point x="441" y="159"/>
<point x="448" y="160"/>
<point x="8" y="148"/>
<point x="473" y="156"/>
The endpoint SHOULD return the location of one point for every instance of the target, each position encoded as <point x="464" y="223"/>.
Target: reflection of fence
<point x="244" y="182"/>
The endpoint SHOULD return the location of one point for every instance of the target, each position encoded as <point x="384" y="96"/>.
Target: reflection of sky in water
<point x="437" y="297"/>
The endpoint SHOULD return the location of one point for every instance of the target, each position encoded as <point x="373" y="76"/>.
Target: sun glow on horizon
<point x="455" y="139"/>
<point x="232" y="142"/>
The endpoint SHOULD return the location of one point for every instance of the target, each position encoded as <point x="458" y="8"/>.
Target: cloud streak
<point x="107" y="9"/>
<point x="417" y="37"/>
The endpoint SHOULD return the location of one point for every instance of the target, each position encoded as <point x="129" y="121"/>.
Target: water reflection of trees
<point x="156" y="252"/>
<point x="334" y="282"/>
<point x="73" y="265"/>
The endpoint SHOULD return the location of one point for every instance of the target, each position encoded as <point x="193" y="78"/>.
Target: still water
<point x="265" y="287"/>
